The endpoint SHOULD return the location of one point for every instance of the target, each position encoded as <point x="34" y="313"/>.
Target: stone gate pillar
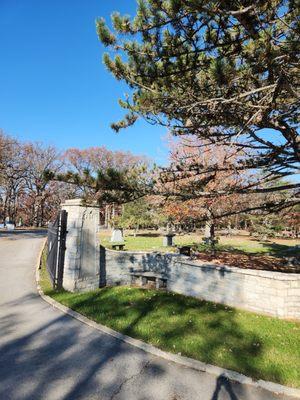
<point x="82" y="256"/>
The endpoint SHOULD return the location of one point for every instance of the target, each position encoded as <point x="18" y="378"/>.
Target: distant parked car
<point x="10" y="226"/>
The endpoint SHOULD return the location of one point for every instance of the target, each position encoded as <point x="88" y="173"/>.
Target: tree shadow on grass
<point x="281" y="250"/>
<point x="147" y="234"/>
<point x="197" y="329"/>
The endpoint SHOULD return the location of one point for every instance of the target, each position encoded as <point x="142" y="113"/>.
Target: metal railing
<point x="57" y="232"/>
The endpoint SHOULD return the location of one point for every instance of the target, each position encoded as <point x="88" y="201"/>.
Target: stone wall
<point x="118" y="264"/>
<point x="272" y="293"/>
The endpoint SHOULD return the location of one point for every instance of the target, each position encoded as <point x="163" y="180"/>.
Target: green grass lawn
<point x="258" y="346"/>
<point x="147" y="243"/>
<point x="151" y="242"/>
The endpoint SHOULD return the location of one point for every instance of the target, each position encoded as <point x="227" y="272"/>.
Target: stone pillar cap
<point x="78" y="202"/>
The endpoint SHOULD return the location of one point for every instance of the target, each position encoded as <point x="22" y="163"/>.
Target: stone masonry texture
<point x="271" y="293"/>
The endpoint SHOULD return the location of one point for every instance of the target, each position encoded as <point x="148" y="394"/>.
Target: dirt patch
<point x="251" y="261"/>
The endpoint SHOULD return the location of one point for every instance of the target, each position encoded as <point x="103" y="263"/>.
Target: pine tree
<point x="220" y="71"/>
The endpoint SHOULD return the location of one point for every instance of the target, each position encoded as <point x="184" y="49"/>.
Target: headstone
<point x="229" y="230"/>
<point x="168" y="240"/>
<point x="207" y="230"/>
<point x="117" y="236"/>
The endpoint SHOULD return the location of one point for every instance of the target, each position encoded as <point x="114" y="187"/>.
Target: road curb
<point x="38" y="262"/>
<point x="178" y="359"/>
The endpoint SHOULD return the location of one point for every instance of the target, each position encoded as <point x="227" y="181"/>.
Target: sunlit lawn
<point x="149" y="241"/>
<point x="258" y="346"/>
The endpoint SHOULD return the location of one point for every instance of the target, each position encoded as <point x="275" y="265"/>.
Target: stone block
<point x="294" y="292"/>
<point x="295" y="284"/>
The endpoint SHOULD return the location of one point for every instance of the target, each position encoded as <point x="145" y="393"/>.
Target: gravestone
<point x="82" y="256"/>
<point x="168" y="240"/>
<point x="117" y="236"/>
<point x="207" y="231"/>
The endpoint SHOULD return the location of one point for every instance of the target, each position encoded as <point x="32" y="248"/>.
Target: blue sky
<point x="54" y="87"/>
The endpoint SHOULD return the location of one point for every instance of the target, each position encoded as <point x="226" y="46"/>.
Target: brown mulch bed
<point x="249" y="261"/>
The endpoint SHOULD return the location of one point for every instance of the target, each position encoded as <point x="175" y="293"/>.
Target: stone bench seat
<point x="146" y="276"/>
<point x="118" y="246"/>
<point x="184" y="250"/>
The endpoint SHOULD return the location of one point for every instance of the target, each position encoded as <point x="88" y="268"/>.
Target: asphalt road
<point x="45" y="354"/>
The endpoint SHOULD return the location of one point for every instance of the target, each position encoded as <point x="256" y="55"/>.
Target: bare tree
<point x="39" y="159"/>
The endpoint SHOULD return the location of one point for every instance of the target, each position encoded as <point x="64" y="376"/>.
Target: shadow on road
<point x="23" y="234"/>
<point x="64" y="359"/>
<point x="223" y="382"/>
<point x="59" y="351"/>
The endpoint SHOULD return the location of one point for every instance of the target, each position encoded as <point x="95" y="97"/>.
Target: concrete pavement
<point x="45" y="354"/>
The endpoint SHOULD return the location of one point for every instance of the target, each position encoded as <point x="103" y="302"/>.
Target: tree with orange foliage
<point x="185" y="203"/>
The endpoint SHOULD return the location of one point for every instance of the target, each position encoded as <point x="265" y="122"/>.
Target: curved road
<point x="45" y="354"/>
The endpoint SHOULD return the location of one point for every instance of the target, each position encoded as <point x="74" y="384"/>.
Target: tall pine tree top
<point x="219" y="70"/>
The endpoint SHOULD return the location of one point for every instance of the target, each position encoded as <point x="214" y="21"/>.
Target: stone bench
<point x="146" y="276"/>
<point x="118" y="246"/>
<point x="184" y="250"/>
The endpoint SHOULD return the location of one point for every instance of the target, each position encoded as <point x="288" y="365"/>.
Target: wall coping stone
<point x="140" y="252"/>
<point x="284" y="276"/>
<point x="78" y="203"/>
